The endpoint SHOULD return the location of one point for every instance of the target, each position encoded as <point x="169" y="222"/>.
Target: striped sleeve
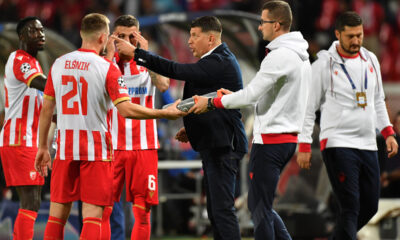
<point x="26" y="69"/>
<point x="115" y="85"/>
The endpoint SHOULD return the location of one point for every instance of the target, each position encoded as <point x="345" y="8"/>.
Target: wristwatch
<point x="210" y="105"/>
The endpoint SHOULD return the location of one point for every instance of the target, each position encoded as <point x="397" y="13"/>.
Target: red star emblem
<point x="336" y="72"/>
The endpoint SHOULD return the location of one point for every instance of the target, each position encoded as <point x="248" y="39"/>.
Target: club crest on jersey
<point x="25" y="67"/>
<point x="121" y="82"/>
<point x="33" y="175"/>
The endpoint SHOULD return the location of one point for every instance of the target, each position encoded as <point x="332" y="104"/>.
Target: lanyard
<point x="351" y="81"/>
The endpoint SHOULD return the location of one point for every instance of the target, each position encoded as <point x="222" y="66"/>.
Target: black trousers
<point x="266" y="164"/>
<point x="355" y="180"/>
<point x="220" y="167"/>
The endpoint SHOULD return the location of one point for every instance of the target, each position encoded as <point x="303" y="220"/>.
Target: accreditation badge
<point x="361" y="98"/>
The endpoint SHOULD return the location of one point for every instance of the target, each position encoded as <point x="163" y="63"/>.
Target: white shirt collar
<point x="209" y="52"/>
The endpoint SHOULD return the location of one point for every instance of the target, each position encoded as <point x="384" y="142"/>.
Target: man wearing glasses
<point x="279" y="93"/>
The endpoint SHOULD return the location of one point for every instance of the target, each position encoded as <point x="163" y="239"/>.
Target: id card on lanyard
<point x="361" y="97"/>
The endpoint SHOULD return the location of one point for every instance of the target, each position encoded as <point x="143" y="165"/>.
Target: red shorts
<point x="19" y="166"/>
<point x="139" y="169"/>
<point x="88" y="181"/>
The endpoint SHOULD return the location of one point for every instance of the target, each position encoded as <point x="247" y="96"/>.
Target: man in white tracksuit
<point x="279" y="93"/>
<point x="347" y="88"/>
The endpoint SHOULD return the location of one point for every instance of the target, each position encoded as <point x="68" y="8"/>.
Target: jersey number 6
<point x="71" y="96"/>
<point x="152" y="183"/>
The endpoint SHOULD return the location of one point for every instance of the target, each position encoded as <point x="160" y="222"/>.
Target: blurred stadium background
<point x="303" y="197"/>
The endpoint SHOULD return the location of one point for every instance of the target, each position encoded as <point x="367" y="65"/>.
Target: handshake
<point x="199" y="104"/>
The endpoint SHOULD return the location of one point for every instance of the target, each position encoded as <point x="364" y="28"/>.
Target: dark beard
<point x="348" y="51"/>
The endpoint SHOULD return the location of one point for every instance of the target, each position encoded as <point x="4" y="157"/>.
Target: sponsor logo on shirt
<point x="137" y="90"/>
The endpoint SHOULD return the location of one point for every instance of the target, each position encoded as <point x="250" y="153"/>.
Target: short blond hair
<point x="93" y="25"/>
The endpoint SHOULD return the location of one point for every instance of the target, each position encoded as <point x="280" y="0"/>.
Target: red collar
<point x="117" y="60"/>
<point x="132" y="64"/>
<point x="351" y="57"/>
<point x="87" y="50"/>
<point x="347" y="56"/>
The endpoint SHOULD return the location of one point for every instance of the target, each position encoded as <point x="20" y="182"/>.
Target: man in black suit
<point x="218" y="135"/>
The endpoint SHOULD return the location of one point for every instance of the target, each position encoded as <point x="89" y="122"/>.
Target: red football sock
<point x="23" y="226"/>
<point x="91" y="229"/>
<point x="142" y="227"/>
<point x="54" y="229"/>
<point x="105" y="223"/>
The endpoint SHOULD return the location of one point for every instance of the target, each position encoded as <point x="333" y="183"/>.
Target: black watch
<point x="210" y="105"/>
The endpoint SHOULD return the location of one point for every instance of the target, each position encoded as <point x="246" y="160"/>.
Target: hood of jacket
<point x="292" y="40"/>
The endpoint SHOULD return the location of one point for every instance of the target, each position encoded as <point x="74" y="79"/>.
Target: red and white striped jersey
<point x="131" y="134"/>
<point x="22" y="103"/>
<point x="83" y="85"/>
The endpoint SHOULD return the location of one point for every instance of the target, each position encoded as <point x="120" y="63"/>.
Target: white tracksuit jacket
<point x="279" y="90"/>
<point x="343" y="123"/>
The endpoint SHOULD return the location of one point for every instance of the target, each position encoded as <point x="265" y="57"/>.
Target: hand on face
<point x="132" y="36"/>
<point x="110" y="46"/>
<point x="139" y="39"/>
<point x="124" y="47"/>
